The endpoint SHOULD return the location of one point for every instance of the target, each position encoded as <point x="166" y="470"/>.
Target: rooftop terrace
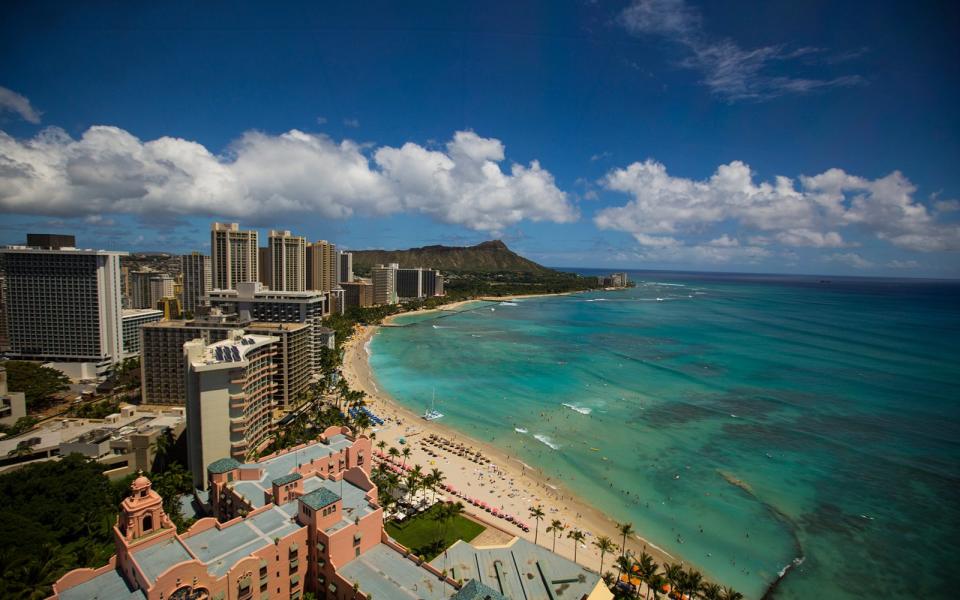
<point x="233" y="350"/>
<point x="218" y="549"/>
<point x="109" y="586"/>
<point x="282" y="465"/>
<point x="387" y="574"/>
<point x="519" y="570"/>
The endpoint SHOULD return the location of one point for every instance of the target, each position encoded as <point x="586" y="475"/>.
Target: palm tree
<point x="673" y="573"/>
<point x="393" y="452"/>
<point x="436" y="479"/>
<point x="393" y="480"/>
<point x="692" y="580"/>
<point x="412" y="483"/>
<point x="730" y="594"/>
<point x="420" y="480"/>
<point x="381" y="445"/>
<point x="447" y="512"/>
<point x="647" y="568"/>
<point x="655" y="584"/>
<point x="624" y="565"/>
<point x="161" y="450"/>
<point x="362" y="422"/>
<point x="604" y="545"/>
<point x="555" y="527"/>
<point x="440" y="516"/>
<point x="537" y="513"/>
<point x="625" y="529"/>
<point x="711" y="591"/>
<point x="406" y="454"/>
<point x="577" y="536"/>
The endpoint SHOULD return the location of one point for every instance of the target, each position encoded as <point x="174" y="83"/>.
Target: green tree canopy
<point x="37" y="382"/>
<point x="54" y="516"/>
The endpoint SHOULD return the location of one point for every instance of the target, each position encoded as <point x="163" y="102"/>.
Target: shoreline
<point x="452" y="306"/>
<point x="514" y="486"/>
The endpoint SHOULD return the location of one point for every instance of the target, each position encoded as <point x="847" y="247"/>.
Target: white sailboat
<point x="431" y="414"/>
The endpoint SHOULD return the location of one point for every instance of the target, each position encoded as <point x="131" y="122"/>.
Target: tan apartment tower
<point x="264" y="273"/>
<point x="138" y="288"/>
<point x="161" y="286"/>
<point x="233" y="255"/>
<point x="321" y="266"/>
<point x="385" y="283"/>
<point x="229" y="398"/>
<point x="288" y="269"/>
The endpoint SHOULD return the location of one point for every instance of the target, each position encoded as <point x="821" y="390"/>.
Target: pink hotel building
<point x="306" y="520"/>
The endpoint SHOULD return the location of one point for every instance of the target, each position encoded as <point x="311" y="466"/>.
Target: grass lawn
<point x="421" y="533"/>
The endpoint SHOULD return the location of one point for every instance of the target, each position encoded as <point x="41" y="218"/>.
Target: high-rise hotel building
<point x="384" y="283"/>
<point x="345" y="274"/>
<point x="251" y="300"/>
<point x="63" y="305"/>
<point x="321" y="266"/>
<point x="229" y="398"/>
<point x="234" y="256"/>
<point x="161" y="287"/>
<point x="163" y="372"/>
<point x="288" y="269"/>
<point x="197" y="281"/>
<point x="419" y="283"/>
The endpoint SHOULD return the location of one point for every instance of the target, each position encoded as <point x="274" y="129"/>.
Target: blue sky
<point x="775" y="137"/>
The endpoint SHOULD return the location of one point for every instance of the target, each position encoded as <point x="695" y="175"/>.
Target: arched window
<point x="147" y="523"/>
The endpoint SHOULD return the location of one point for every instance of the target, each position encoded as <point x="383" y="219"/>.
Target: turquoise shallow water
<point x="747" y="421"/>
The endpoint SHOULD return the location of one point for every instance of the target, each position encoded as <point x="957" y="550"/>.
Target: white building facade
<point x="63" y="305"/>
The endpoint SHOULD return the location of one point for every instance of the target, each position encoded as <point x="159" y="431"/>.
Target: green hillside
<point x="487" y="257"/>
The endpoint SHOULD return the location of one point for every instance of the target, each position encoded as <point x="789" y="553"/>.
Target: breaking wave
<point x="545" y="439"/>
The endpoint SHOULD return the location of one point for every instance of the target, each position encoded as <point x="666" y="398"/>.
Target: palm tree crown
<point x="537" y="513"/>
<point x="577" y="536"/>
<point x="604" y="545"/>
<point x="556" y="527"/>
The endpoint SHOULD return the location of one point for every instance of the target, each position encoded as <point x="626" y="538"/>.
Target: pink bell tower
<point x="142" y="512"/>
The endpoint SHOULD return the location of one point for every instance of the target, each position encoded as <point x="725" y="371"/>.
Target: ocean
<point x="796" y="437"/>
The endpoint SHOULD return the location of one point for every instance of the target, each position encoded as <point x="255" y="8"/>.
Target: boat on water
<point x="432" y="414"/>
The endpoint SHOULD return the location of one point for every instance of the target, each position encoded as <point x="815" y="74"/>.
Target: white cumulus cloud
<point x="109" y="170"/>
<point x="811" y="213"/>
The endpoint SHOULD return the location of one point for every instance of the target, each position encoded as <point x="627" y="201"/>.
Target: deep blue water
<point x="740" y="422"/>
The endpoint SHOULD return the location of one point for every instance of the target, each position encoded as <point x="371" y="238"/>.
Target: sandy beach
<point x="506" y="483"/>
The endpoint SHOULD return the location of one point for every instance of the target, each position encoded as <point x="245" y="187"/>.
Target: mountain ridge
<point x="486" y="257"/>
